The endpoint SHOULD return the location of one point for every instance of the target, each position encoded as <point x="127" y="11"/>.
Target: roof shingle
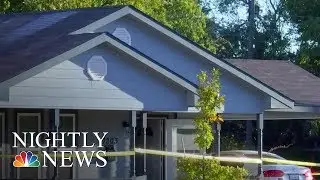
<point x="285" y="77"/>
<point x="29" y="39"/>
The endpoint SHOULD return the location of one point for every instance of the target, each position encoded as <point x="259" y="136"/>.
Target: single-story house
<point x="116" y="69"/>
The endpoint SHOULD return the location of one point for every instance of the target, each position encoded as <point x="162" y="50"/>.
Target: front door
<point x="155" y="140"/>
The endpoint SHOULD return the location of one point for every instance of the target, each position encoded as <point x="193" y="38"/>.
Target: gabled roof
<point x="27" y="28"/>
<point x="284" y="76"/>
<point x="75" y="45"/>
<point x="24" y="55"/>
<point x="29" y="39"/>
<point x="15" y="27"/>
<point x="192" y="46"/>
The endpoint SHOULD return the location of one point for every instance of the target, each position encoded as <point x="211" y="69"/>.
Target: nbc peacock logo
<point x="26" y="159"/>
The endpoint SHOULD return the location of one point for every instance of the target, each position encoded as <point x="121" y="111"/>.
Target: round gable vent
<point x="123" y="35"/>
<point x="97" y="68"/>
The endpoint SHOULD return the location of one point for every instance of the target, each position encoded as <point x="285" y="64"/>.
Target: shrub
<point x="207" y="169"/>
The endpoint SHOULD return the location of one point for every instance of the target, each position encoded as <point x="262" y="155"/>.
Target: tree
<point x="305" y="15"/>
<point x="184" y="16"/>
<point x="210" y="101"/>
<point x="270" y="39"/>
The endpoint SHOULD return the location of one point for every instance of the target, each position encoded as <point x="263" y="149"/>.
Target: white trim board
<point x="240" y="74"/>
<point x="3" y="145"/>
<point x="73" y="116"/>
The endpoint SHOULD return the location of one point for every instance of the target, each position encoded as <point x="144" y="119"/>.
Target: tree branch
<point x="280" y="147"/>
<point x="272" y="5"/>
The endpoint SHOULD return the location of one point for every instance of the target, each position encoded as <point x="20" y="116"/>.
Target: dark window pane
<point x="29" y="173"/>
<point x="28" y="124"/>
<point x="1" y="130"/>
<point x="66" y="125"/>
<point x="65" y="173"/>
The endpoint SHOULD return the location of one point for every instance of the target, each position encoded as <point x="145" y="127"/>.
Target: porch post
<point x="260" y="141"/>
<point x="134" y="125"/>
<point x="217" y="142"/>
<point x="218" y="138"/>
<point x="144" y="124"/>
<point x="57" y="123"/>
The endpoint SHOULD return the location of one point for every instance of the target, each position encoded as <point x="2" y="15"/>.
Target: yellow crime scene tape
<point x="189" y="155"/>
<point x="197" y="156"/>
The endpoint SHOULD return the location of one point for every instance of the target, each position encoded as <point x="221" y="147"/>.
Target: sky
<point x="243" y="15"/>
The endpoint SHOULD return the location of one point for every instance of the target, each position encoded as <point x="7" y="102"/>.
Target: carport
<point x="300" y="88"/>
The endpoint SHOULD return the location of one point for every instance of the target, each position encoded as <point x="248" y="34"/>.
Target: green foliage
<point x="208" y="104"/>
<point x="207" y="169"/>
<point x="305" y="15"/>
<point x="315" y="127"/>
<point x="230" y="142"/>
<point x="270" y="39"/>
<point x="4" y="5"/>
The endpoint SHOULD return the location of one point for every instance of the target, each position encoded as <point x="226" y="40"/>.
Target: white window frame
<point x="19" y="149"/>
<point x="3" y="148"/>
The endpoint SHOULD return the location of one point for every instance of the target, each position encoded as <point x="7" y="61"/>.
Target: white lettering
<point x="85" y="157"/>
<point x="47" y="156"/>
<point x="101" y="158"/>
<point x="31" y="139"/>
<point x="73" y="138"/>
<point x="100" y="139"/>
<point x="17" y="137"/>
<point x="46" y="140"/>
<point x="63" y="158"/>
<point x="55" y="139"/>
<point x="85" y="140"/>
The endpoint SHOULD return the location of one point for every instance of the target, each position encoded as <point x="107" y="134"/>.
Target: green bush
<point x="207" y="169"/>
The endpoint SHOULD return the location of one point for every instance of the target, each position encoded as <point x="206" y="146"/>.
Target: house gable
<point x="162" y="30"/>
<point x="241" y="97"/>
<point x="127" y="85"/>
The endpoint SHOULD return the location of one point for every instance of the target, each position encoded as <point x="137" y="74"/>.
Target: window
<point x="28" y="122"/>
<point x="67" y="124"/>
<point x="185" y="141"/>
<point x="123" y="35"/>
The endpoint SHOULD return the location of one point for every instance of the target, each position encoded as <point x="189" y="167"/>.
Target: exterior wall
<point x="240" y="97"/>
<point x="129" y="85"/>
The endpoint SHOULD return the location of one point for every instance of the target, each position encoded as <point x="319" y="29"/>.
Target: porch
<point x="126" y="130"/>
<point x="120" y="135"/>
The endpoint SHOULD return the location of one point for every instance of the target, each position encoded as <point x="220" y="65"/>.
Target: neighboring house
<point x="102" y="68"/>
